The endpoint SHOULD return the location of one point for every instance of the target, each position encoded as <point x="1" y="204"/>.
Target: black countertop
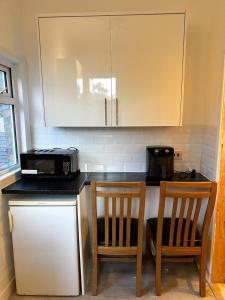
<point x="75" y="185"/>
<point x="50" y="187"/>
<point x="140" y="176"/>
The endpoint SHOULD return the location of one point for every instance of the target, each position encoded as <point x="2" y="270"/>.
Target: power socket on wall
<point x="177" y="155"/>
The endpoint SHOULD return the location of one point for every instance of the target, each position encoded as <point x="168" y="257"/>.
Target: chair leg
<point x="139" y="275"/>
<point x="94" y="273"/>
<point x="202" y="275"/>
<point x="147" y="242"/>
<point x="158" y="274"/>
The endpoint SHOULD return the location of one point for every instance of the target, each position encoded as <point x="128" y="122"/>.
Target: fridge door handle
<point x="11" y="225"/>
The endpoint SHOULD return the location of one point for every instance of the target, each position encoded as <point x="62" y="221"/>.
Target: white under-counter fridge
<point x="45" y="235"/>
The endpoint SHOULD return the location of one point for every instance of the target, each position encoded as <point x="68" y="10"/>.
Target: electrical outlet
<point x="177" y="155"/>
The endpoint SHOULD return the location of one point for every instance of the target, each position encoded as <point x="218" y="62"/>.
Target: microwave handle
<point x="73" y="148"/>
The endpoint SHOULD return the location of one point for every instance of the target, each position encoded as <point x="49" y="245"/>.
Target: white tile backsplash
<point x="122" y="149"/>
<point x="209" y="155"/>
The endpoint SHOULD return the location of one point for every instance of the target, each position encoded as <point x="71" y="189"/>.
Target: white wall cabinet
<point x="113" y="70"/>
<point x="76" y="70"/>
<point x="147" y="59"/>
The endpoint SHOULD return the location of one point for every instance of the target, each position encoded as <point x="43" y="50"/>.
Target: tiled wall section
<point x="208" y="164"/>
<point x="122" y="149"/>
<point x="208" y="167"/>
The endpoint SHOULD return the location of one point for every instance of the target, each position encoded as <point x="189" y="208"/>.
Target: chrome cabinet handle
<point x="116" y="111"/>
<point x="11" y="225"/>
<point x="106" y="121"/>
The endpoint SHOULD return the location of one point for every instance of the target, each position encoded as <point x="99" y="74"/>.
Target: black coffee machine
<point x="160" y="162"/>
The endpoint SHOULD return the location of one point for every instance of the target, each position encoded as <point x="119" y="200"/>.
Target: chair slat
<point x="124" y="194"/>
<point x="174" y="194"/>
<point x="129" y="203"/>
<point x="137" y="184"/>
<point x="113" y="221"/>
<point x="202" y="185"/>
<point x="180" y="221"/>
<point x="195" y="220"/>
<point x="188" y="221"/>
<point x="106" y="209"/>
<point x="121" y="222"/>
<point x="172" y="223"/>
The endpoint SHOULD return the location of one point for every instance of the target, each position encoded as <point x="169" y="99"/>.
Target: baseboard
<point x="8" y="290"/>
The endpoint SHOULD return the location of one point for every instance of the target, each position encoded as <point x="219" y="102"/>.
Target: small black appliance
<point x="160" y="161"/>
<point x="49" y="163"/>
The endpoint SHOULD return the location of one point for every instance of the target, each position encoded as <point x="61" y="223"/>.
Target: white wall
<point x="213" y="102"/>
<point x="10" y="45"/>
<point x="212" y="107"/>
<point x="10" y="24"/>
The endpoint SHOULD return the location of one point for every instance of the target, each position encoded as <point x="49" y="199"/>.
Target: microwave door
<point x="41" y="166"/>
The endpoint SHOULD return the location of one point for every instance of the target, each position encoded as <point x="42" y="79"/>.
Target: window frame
<point x="8" y="72"/>
<point x="9" y="99"/>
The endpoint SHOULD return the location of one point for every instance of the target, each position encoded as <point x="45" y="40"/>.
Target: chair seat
<point x="166" y="231"/>
<point x="101" y="231"/>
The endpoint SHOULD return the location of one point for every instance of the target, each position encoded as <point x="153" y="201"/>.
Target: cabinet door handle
<point x="11" y="225"/>
<point x="106" y="121"/>
<point x="117" y="112"/>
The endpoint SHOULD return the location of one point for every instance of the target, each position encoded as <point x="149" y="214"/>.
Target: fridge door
<point x="45" y="249"/>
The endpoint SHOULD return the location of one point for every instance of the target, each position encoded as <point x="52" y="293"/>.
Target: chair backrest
<point x="187" y="205"/>
<point x="112" y="194"/>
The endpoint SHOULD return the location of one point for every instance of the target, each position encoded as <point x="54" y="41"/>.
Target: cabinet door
<point x="76" y="70"/>
<point x="147" y="61"/>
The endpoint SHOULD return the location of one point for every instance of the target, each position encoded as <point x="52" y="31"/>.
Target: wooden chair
<point x="177" y="238"/>
<point x="113" y="236"/>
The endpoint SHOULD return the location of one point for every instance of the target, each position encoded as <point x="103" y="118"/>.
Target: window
<point x="5" y="81"/>
<point x="8" y="145"/>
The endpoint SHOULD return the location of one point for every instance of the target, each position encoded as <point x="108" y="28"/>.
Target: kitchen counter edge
<point x="75" y="185"/>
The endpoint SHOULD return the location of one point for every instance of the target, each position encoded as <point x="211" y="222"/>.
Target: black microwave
<point x="49" y="163"/>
